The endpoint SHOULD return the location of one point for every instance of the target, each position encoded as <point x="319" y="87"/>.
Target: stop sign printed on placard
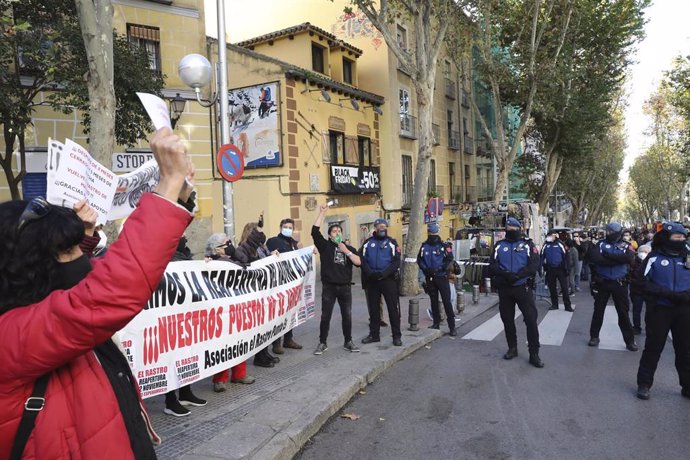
<point x="230" y="162"/>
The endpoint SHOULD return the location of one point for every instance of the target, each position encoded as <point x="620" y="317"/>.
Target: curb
<point x="287" y="443"/>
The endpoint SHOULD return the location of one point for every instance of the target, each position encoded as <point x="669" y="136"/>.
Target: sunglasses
<point x="35" y="209"/>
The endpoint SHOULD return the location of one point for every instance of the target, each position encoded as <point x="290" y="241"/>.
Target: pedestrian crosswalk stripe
<point x="610" y="337"/>
<point x="554" y="326"/>
<point x="490" y="329"/>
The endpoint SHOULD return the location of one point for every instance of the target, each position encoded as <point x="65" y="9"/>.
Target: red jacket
<point x="81" y="417"/>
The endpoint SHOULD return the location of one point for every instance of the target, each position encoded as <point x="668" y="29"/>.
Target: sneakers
<point x="397" y="342"/>
<point x="453" y="333"/>
<point x="570" y="309"/>
<point x="291" y="344"/>
<point x="553" y="307"/>
<point x="370" y="339"/>
<point x="593" y="342"/>
<point x="219" y="387"/>
<point x="643" y="392"/>
<point x="350" y="345"/>
<point x="320" y="348"/>
<point x="632" y="346"/>
<point x="189" y="399"/>
<point x="435" y="326"/>
<point x="535" y="360"/>
<point x="278" y="349"/>
<point x="246" y="380"/>
<point x="511" y="353"/>
<point x="175" y="409"/>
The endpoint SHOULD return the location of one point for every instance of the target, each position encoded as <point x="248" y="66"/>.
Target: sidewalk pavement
<point x="288" y="404"/>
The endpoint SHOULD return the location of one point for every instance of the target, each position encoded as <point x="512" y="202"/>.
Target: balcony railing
<point x="469" y="145"/>
<point x="480" y="193"/>
<point x="450" y="88"/>
<point x="455" y="194"/>
<point x="436" y="129"/>
<point x="408" y="126"/>
<point x="454" y="140"/>
<point x="465" y="100"/>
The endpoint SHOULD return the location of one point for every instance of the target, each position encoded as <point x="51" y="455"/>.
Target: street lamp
<point x="195" y="71"/>
<point x="177" y="105"/>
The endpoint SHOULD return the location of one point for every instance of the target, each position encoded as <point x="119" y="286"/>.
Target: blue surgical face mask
<point x="286" y="232"/>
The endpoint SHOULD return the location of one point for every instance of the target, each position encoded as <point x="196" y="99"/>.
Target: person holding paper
<point x="65" y="388"/>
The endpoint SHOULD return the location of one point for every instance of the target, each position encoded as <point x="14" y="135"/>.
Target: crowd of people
<point x="649" y="270"/>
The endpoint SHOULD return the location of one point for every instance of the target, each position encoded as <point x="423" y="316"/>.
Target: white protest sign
<point x="78" y="176"/>
<point x="207" y="317"/>
<point x="157" y="110"/>
<point x="130" y="188"/>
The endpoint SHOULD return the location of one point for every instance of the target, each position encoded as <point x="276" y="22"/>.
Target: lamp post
<point x="177" y="105"/>
<point x="195" y="72"/>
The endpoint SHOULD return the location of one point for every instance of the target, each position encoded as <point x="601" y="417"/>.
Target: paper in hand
<point x="157" y="110"/>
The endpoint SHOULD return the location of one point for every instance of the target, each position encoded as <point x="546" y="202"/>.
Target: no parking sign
<point x="230" y="162"/>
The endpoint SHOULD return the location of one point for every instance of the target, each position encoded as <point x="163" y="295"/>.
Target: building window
<point x="406" y="180"/>
<point x="347" y="71"/>
<point x="450" y="115"/>
<point x="317" y="53"/>
<point x="337" y="147"/>
<point x="451" y="180"/>
<point x="364" y="147"/>
<point x="149" y="39"/>
<point x="432" y="177"/>
<point x="447" y="69"/>
<point x="401" y="35"/>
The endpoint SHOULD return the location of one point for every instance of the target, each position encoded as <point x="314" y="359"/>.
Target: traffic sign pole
<point x="228" y="207"/>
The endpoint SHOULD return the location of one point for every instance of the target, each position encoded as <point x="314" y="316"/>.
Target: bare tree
<point x="96" y="21"/>
<point x="429" y="22"/>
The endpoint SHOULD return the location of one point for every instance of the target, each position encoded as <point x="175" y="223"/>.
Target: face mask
<point x="613" y="237"/>
<point x="229" y="250"/>
<point x="626" y="237"/>
<point x="642" y="255"/>
<point x="675" y="246"/>
<point x="286" y="232"/>
<point x="434" y="238"/>
<point x="71" y="273"/>
<point x="550" y="239"/>
<point x="512" y="235"/>
<point x="381" y="234"/>
<point x="337" y="239"/>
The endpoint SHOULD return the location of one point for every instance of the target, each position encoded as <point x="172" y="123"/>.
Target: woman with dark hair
<point x="65" y="388"/>
<point x="664" y="280"/>
<point x="252" y="248"/>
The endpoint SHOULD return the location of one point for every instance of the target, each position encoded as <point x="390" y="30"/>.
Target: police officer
<point x="514" y="261"/>
<point x="380" y="256"/>
<point x="664" y="279"/>
<point x="611" y="258"/>
<point x="554" y="259"/>
<point x="433" y="259"/>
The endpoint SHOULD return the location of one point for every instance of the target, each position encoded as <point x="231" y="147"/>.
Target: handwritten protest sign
<point x="207" y="317"/>
<point x="78" y="176"/>
<point x="131" y="187"/>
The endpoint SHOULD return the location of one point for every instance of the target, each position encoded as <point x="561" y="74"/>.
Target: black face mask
<point x="381" y="234"/>
<point x="71" y="273"/>
<point x="512" y="235"/>
<point x="434" y="239"/>
<point x="613" y="237"/>
<point x="674" y="246"/>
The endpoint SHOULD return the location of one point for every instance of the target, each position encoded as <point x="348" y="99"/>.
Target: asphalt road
<point x="460" y="400"/>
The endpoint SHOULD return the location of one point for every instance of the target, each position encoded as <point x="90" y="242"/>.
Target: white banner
<point x="209" y="316"/>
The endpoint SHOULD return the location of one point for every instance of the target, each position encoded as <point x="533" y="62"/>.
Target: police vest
<point x="668" y="272"/>
<point x="553" y="254"/>
<point x="513" y="256"/>
<point x="433" y="257"/>
<point x="614" y="272"/>
<point x="379" y="254"/>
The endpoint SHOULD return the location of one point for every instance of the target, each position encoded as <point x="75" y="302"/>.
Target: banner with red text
<point x="209" y="316"/>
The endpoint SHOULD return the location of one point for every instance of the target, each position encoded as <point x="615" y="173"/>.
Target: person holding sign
<point x="65" y="388"/>
<point x="337" y="260"/>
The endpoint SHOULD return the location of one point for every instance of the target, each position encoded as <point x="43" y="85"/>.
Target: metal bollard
<point x="460" y="305"/>
<point x="487" y="285"/>
<point x="475" y="294"/>
<point x="413" y="315"/>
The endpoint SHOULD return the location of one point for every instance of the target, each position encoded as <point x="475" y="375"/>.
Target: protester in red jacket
<point x="92" y="406"/>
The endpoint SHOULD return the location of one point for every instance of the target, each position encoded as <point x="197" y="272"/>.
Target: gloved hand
<point x="512" y="278"/>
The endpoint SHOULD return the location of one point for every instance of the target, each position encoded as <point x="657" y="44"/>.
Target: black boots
<point x="643" y="392"/>
<point x="511" y="353"/>
<point x="535" y="360"/>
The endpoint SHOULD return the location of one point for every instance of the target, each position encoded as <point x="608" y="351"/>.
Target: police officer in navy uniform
<point x="611" y="258"/>
<point x="664" y="279"/>
<point x="514" y="261"/>
<point x="433" y="259"/>
<point x="380" y="255"/>
<point x="554" y="259"/>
